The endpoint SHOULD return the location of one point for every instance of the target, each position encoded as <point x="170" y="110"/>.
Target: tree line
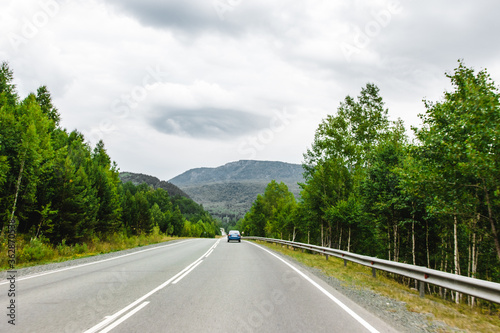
<point x="58" y="188"/>
<point x="431" y="200"/>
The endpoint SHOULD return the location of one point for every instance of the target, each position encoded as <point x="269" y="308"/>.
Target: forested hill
<point x="139" y="178"/>
<point x="229" y="190"/>
<point x="244" y="170"/>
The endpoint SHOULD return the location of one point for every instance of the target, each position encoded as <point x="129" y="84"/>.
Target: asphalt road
<point x="200" y="285"/>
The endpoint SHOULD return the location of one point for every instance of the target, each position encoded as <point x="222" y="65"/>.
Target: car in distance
<point x="233" y="235"/>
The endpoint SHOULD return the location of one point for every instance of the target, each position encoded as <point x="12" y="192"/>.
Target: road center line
<point x="209" y="253"/>
<point x="113" y="317"/>
<point x="122" y="319"/>
<point x="324" y="291"/>
<point x="186" y="273"/>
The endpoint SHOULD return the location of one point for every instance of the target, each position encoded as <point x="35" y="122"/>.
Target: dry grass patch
<point x="35" y="252"/>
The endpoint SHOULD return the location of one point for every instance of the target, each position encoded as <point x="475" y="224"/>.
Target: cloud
<point x="193" y="16"/>
<point x="185" y="15"/>
<point x="206" y="123"/>
<point x="234" y="18"/>
<point x="225" y="71"/>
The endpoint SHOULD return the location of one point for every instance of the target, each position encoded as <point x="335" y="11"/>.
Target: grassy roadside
<point x="36" y="252"/>
<point x="357" y="276"/>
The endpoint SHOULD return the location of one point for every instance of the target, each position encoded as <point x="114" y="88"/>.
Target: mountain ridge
<point x="230" y="190"/>
<point x="139" y="178"/>
<point x="249" y="170"/>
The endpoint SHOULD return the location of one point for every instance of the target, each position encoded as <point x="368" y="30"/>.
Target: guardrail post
<point x="326" y="256"/>
<point x="422" y="289"/>
<point x="374" y="272"/>
<point x="345" y="262"/>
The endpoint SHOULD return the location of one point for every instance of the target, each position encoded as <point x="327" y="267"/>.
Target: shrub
<point x="64" y="250"/>
<point x="79" y="249"/>
<point x="35" y="251"/>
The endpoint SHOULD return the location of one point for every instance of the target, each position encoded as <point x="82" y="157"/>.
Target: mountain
<point x="244" y="170"/>
<point x="230" y="190"/>
<point x="139" y="178"/>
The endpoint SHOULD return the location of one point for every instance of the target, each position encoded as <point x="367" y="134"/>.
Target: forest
<point x="57" y="189"/>
<point x="429" y="198"/>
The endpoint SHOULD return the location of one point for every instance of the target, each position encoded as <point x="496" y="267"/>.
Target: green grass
<point x="460" y="316"/>
<point x="35" y="252"/>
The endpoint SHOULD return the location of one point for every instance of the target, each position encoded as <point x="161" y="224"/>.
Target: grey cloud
<point x="423" y="36"/>
<point x="206" y="123"/>
<point x="441" y="32"/>
<point x="191" y="16"/>
<point x="182" y="14"/>
<point x="202" y="16"/>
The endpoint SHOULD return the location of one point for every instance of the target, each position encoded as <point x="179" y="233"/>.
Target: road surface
<point x="198" y="285"/>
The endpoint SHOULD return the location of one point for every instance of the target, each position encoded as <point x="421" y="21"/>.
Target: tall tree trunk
<point x="340" y="239"/>
<point x="443" y="265"/>
<point x="396" y="246"/>
<point x="349" y="241"/>
<point x="473" y="264"/>
<point x="427" y="244"/>
<point x="330" y="235"/>
<point x="413" y="242"/>
<point x="322" y="239"/>
<point x="456" y="258"/>
<point x="475" y="254"/>
<point x="413" y="246"/>
<point x="389" y="242"/>
<point x="18" y="186"/>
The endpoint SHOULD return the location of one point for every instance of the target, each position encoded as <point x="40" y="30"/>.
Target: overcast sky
<point x="171" y="85"/>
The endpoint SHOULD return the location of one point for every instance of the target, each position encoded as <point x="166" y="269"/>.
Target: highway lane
<point x="240" y="287"/>
<point x="201" y="285"/>
<point x="76" y="299"/>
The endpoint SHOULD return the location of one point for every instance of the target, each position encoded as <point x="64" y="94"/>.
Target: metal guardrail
<point x="486" y="290"/>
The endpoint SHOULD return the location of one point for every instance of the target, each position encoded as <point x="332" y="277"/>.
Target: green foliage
<point x="44" y="100"/>
<point x="35" y="251"/>
<point x="8" y="94"/>
<point x="63" y="191"/>
<point x="336" y="165"/>
<point x="460" y="157"/>
<point x="350" y="135"/>
<point x="434" y="202"/>
<point x="272" y="214"/>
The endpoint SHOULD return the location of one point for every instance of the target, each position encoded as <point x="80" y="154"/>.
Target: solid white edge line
<point x="323" y="290"/>
<point x="122" y="319"/>
<point x="113" y="317"/>
<point x="93" y="263"/>
<point x="186" y="273"/>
